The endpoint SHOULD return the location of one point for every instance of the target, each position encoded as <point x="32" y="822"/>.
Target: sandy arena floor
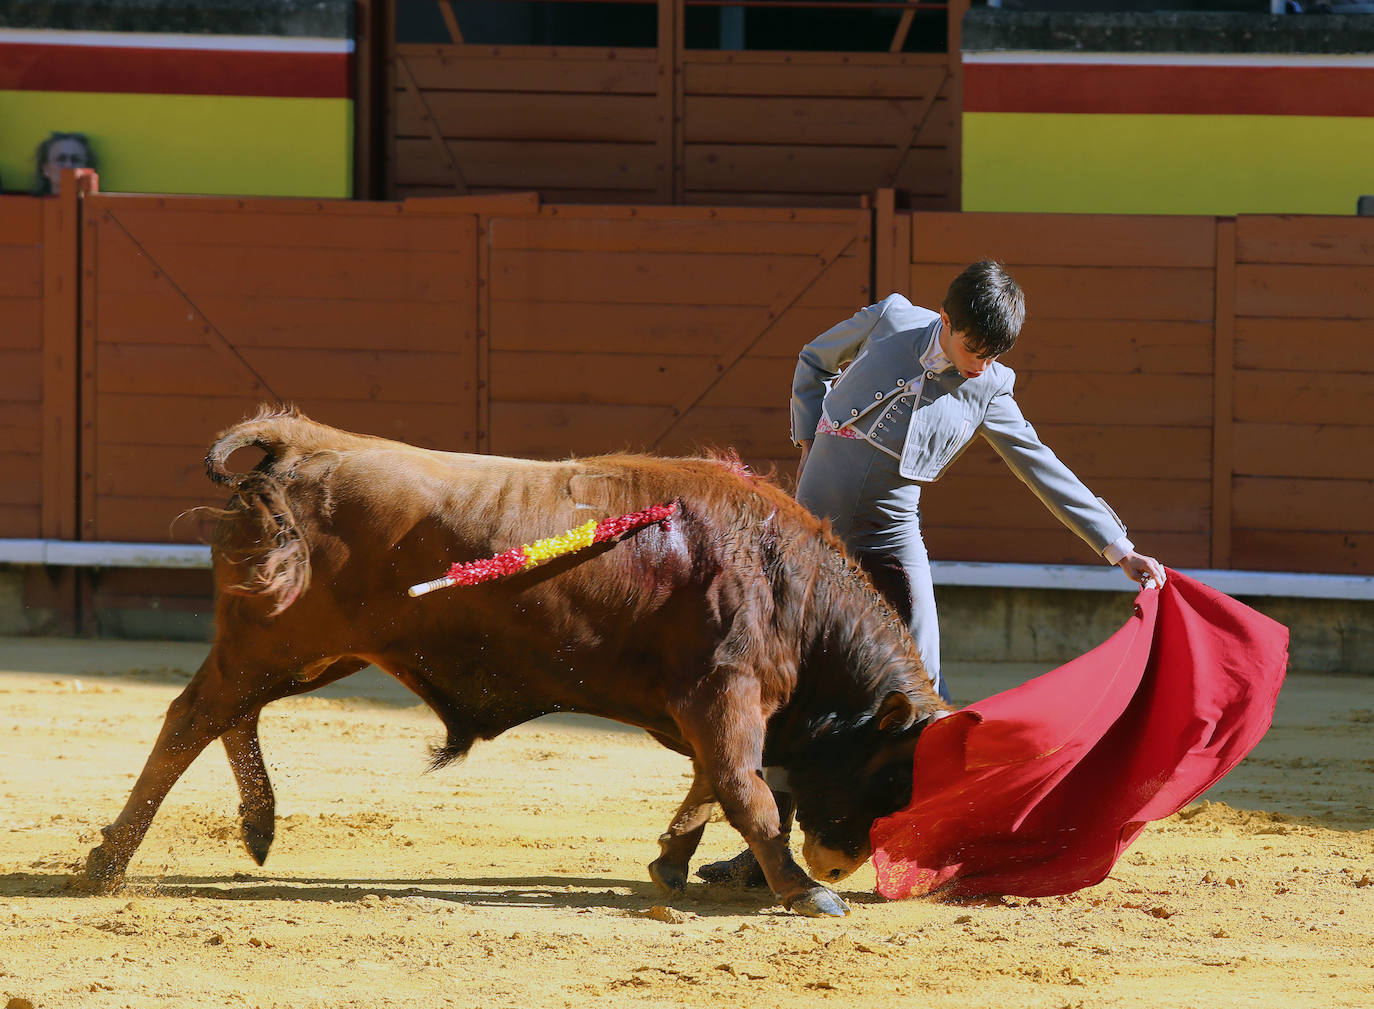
<point x="517" y="878"/>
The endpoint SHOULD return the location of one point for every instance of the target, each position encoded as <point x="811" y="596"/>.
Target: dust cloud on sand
<point x="517" y="878"/>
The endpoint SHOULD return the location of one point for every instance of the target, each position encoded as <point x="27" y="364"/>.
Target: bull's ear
<point x="897" y="713"/>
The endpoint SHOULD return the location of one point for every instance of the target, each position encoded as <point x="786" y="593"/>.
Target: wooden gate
<point x="660" y="328"/>
<point x="196" y="310"/>
<point x="665" y="124"/>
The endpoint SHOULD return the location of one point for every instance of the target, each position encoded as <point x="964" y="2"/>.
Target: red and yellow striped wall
<point x="171" y="113"/>
<point x="1167" y="133"/>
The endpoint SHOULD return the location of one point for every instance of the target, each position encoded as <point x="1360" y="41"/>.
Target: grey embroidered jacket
<point x="927" y="419"/>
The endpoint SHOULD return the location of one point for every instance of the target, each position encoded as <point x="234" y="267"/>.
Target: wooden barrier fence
<point x="1210" y="377"/>
<point x="666" y="124"/>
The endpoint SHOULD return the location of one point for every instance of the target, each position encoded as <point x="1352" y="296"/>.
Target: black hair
<point x="41" y="186"/>
<point x="988" y="306"/>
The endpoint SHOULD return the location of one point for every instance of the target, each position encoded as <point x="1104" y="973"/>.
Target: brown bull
<point x="737" y="633"/>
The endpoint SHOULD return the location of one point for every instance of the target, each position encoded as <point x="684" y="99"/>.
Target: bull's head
<point x="849" y="775"/>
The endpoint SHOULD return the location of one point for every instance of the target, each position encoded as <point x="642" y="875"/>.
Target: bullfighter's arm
<point x="1068" y="499"/>
<point x="821" y="360"/>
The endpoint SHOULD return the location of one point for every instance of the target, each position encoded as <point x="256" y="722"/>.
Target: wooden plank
<point x="1309" y="505"/>
<point x="121" y="203"/>
<point x="707" y="233"/>
<point x="616" y="379"/>
<point x="155" y="471"/>
<point x="297" y="376"/>
<point x="21" y="220"/>
<point x="800" y="168"/>
<point x="533" y="164"/>
<point x="830" y="75"/>
<point x="555" y="431"/>
<point x="304" y="323"/>
<point x="1305" y="292"/>
<point x="505" y="203"/>
<point x="898" y="166"/>
<point x="809" y="215"/>
<point x="531" y="69"/>
<point x="553" y="194"/>
<point x="416" y="99"/>
<point x="885" y="239"/>
<point x="1288" y="345"/>
<point x="1058" y="546"/>
<point x="794" y="289"/>
<point x="746" y="199"/>
<point x="23" y="323"/>
<point x="626" y="329"/>
<point x="150" y="519"/>
<point x="524" y="115"/>
<point x="954" y="56"/>
<point x="1223" y="394"/>
<point x="91" y="238"/>
<point x="1118" y="450"/>
<point x="666" y="278"/>
<point x="1316" y="552"/>
<point x="1118" y="345"/>
<point x="191" y="422"/>
<point x="1096" y="240"/>
<point x="1285" y="449"/>
<point x="21" y="477"/>
<point x="1111" y="399"/>
<point x="60" y="369"/>
<point x="857" y="122"/>
<point x="21" y="521"/>
<point x="21" y="424"/>
<point x="1088" y="292"/>
<point x="21" y="271"/>
<point x="668" y="105"/>
<point x="479" y="413"/>
<point x="156" y="228"/>
<point x="197" y="271"/>
<point x="1155" y="504"/>
<point x="1302" y="397"/>
<point x="21" y="376"/>
<point x="1335" y="241"/>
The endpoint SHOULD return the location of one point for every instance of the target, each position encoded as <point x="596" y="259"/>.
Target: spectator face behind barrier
<point x="58" y="152"/>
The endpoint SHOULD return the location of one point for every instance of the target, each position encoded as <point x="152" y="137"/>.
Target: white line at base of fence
<point x="1072" y="577"/>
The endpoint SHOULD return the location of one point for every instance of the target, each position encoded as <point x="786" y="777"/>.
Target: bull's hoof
<point x="742" y="870"/>
<point x="819" y="902"/>
<point x="668" y="876"/>
<point x="104" y="874"/>
<point x="257" y="839"/>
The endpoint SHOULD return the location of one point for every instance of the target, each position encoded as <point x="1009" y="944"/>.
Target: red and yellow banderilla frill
<point x="522" y="558"/>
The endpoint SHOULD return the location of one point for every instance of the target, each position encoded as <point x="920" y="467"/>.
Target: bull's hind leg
<point x="257" y="803"/>
<point x="210" y="705"/>
<point x="680" y="841"/>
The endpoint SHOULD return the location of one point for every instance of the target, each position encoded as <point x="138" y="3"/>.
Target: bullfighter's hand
<point x="805" y="451"/>
<point x="1142" y="569"/>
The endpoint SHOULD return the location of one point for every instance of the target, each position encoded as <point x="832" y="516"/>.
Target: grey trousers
<point x="876" y="513"/>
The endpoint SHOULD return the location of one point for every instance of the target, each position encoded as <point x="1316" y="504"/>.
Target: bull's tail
<point x="274" y="430"/>
<point x="259" y="536"/>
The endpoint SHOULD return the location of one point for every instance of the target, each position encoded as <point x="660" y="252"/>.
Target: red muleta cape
<point x="1038" y="790"/>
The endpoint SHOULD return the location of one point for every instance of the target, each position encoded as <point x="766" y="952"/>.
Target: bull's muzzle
<point x="829" y="865"/>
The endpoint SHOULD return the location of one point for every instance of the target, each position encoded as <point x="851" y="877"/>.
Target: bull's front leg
<point x="726" y="727"/>
<point x="679" y="842"/>
<point x="743" y="869"/>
